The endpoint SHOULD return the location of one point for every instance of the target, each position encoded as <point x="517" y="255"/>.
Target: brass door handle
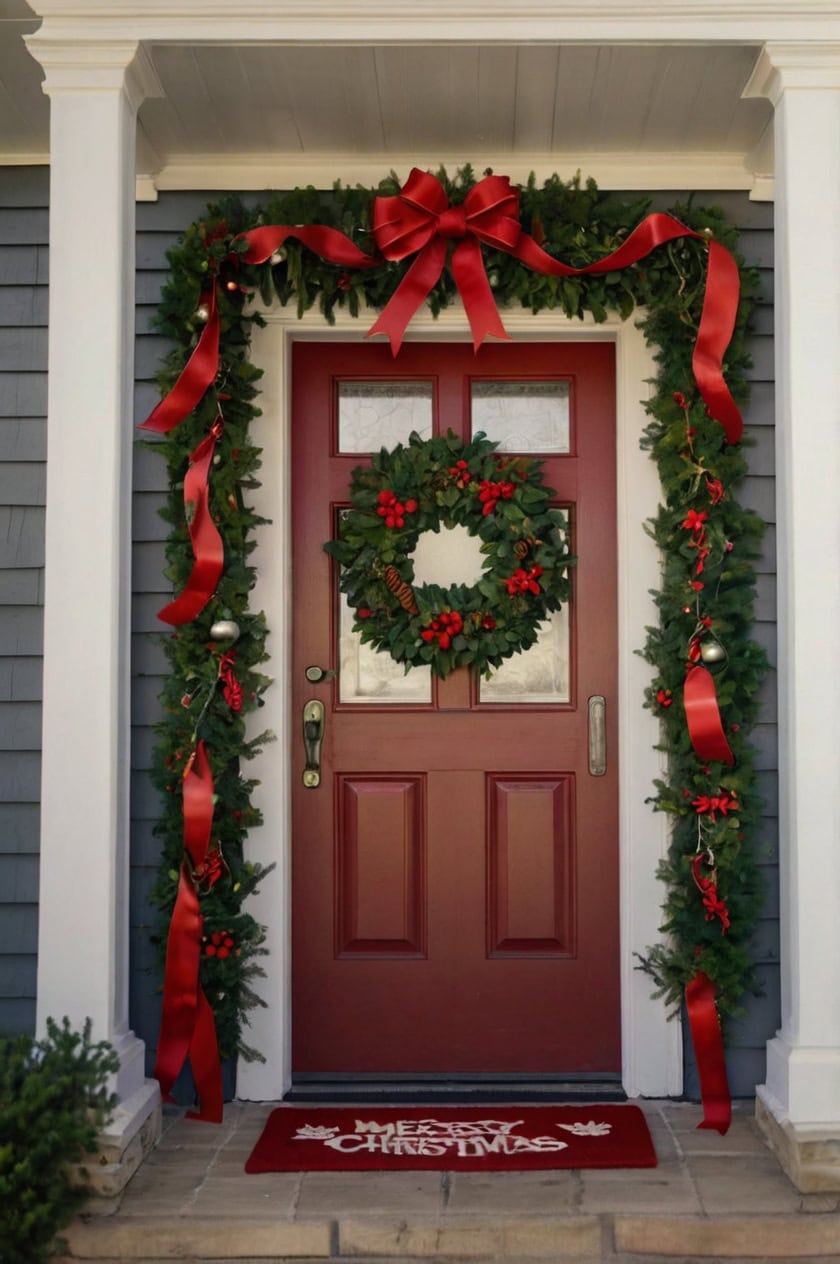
<point x="313" y="736"/>
<point x="597" y="735"/>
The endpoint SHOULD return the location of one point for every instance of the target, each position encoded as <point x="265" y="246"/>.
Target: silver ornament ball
<point x="202" y="313"/>
<point x="224" y="630"/>
<point x="711" y="651"/>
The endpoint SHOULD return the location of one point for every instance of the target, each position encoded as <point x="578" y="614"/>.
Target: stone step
<point x="569" y="1239"/>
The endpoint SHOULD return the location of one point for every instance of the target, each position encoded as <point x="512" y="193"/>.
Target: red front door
<point x="455" y="874"/>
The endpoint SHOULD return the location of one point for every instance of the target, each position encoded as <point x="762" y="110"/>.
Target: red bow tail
<point x="207" y="545"/>
<point x="707" y="1040"/>
<point x="196" y="376"/>
<point x="329" y="243"/>
<point x="720" y="303"/>
<point x="479" y="304"/>
<point x="187" y="1028"/>
<point x="702" y="716"/>
<point x="415" y="286"/>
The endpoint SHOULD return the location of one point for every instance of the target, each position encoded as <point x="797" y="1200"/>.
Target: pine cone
<point x="403" y="592"/>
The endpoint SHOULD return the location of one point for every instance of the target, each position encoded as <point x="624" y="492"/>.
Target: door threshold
<point x="441" y="1091"/>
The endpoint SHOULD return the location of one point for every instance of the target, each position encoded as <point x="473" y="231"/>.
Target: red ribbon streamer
<point x="708" y="1051"/>
<point x="702" y="715"/>
<point x="202" y="366"/>
<point x="207" y="545"/>
<point x="187" y="1027"/>
<point x="196" y="375"/>
<point x="420" y="219"/>
<point x="329" y="243"/>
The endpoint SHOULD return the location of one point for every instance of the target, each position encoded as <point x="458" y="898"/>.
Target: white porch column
<point x="95" y="91"/>
<point x="799" y="1106"/>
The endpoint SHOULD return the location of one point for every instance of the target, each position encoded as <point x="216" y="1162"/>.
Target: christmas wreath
<point x="442" y="483"/>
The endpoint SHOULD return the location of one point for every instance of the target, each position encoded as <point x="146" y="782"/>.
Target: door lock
<point x="316" y="674"/>
<point x="313" y="736"/>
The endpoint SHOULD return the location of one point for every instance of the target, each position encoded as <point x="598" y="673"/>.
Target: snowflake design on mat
<point x="591" y="1129"/>
<point x="315" y="1132"/>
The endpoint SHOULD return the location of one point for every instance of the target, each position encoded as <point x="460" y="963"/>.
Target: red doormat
<point x="451" y="1138"/>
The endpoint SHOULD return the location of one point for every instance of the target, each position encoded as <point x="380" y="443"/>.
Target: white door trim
<point x="651" y="1046"/>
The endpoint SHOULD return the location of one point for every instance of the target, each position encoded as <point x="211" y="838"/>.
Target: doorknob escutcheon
<point x="313" y="736"/>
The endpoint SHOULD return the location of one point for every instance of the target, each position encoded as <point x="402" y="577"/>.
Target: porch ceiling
<point x="252" y="114"/>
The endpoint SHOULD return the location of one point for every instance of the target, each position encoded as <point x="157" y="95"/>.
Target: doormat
<point x="454" y="1138"/>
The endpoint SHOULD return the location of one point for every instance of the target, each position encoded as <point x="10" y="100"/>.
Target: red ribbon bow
<point x="713" y="905"/>
<point x="419" y="218"/>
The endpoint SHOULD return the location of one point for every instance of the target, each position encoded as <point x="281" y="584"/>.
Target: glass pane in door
<point x="523" y="416"/>
<point x="374" y="415"/>
<point x="368" y="676"/>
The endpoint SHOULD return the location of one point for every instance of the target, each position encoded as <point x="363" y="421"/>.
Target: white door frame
<point x="651" y="1046"/>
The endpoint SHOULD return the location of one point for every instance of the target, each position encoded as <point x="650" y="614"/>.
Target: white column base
<point x="805" y="1081"/>
<point x="808" y="1153"/>
<point x="133" y="1132"/>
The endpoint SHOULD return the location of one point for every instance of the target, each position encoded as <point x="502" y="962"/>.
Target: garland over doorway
<point x="495" y="245"/>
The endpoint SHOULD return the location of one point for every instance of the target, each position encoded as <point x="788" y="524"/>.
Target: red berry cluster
<point x="393" y="510"/>
<point x="461" y="474"/>
<point x="524" y="581"/>
<point x="491" y="493"/>
<point x="220" y="944"/>
<point x="442" y="629"/>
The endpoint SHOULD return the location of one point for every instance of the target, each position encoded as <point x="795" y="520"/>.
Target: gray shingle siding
<point x="24" y="199"/>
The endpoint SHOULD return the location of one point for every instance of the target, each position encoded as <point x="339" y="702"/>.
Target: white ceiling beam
<point x="678" y="170"/>
<point x="443" y="21"/>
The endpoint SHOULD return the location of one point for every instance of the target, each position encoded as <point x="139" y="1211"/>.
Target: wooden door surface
<point x="455" y="873"/>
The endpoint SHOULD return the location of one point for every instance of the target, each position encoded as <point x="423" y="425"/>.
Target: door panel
<point x="455" y="874"/>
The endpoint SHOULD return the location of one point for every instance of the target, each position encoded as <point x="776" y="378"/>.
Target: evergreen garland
<point x="699" y="472"/>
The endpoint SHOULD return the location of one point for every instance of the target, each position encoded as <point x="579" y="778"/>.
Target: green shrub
<point x="53" y="1101"/>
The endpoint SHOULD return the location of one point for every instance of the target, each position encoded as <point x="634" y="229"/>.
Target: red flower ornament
<point x="715" y="489"/>
<point x="696" y="523"/>
<point x="707" y="886"/>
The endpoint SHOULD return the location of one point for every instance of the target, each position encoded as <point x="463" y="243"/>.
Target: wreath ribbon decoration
<point x="477" y="627"/>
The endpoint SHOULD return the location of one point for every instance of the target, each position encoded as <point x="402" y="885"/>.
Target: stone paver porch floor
<point x="710" y="1197"/>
